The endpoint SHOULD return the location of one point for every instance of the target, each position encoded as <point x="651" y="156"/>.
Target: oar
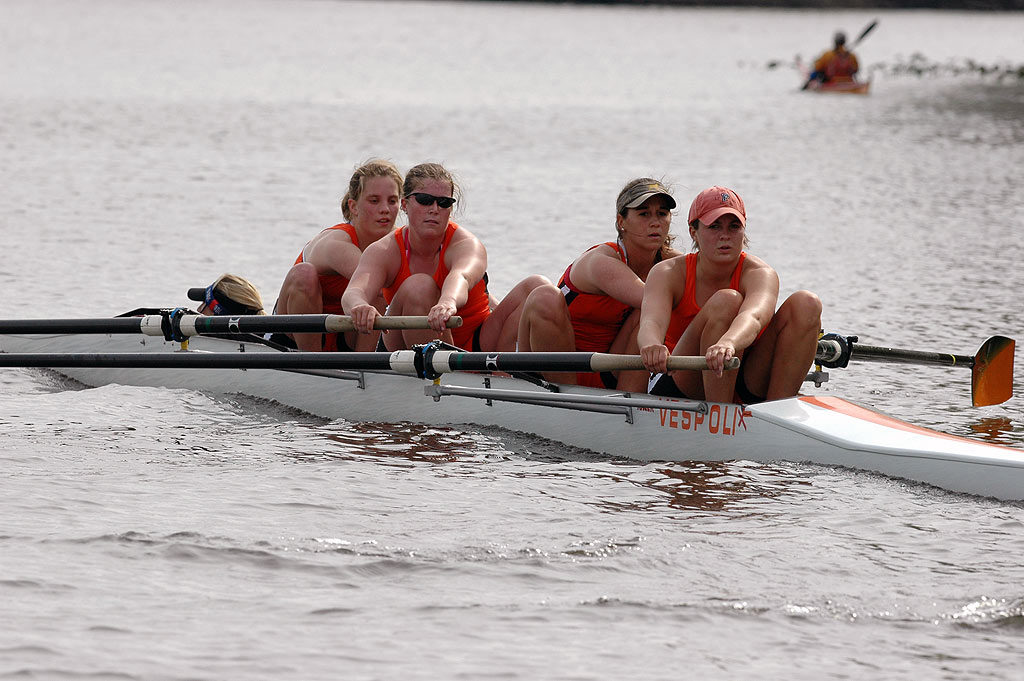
<point x="991" y="367"/>
<point x="421" y="362"/>
<point x="197" y="325"/>
<point x="863" y="34"/>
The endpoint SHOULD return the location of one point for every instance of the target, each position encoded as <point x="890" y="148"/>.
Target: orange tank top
<point x="688" y="308"/>
<point x="596" y="317"/>
<point x="333" y="285"/>
<point x="478" y="304"/>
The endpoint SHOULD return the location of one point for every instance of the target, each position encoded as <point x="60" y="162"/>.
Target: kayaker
<point x="321" y="273"/>
<point x="835" y="65"/>
<point x="230" y="294"/>
<point x="719" y="302"/>
<point x="596" y="305"/>
<point x="434" y="268"/>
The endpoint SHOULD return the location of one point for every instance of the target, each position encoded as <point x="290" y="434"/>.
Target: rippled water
<point x="155" y="534"/>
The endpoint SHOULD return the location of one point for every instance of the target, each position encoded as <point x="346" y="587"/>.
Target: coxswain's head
<point x="229" y="295"/>
<point x="839" y="39"/>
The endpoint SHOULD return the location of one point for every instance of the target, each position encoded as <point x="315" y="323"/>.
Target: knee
<point x="535" y="281"/>
<point x="544" y="302"/>
<point x="303" y="279"/>
<point x="419" y="290"/>
<point x="724" y="303"/>
<point x="802" y="311"/>
<point x="806" y="307"/>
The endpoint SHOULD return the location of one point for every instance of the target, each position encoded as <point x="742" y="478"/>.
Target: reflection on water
<point x="996" y="429"/>
<point x="392" y="442"/>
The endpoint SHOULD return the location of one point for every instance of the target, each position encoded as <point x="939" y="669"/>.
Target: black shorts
<point x="476" y="342"/>
<point x="664" y="386"/>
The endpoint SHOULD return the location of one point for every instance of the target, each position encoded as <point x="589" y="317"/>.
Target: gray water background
<point x="147" y="147"/>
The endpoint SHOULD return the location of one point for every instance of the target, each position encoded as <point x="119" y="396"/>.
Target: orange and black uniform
<point x="478" y="305"/>
<point x="332" y="286"/>
<point x="687" y="309"/>
<point x="684" y="313"/>
<point x="596" y="320"/>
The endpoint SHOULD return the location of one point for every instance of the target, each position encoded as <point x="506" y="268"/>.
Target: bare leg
<point x="776" y="364"/>
<point x="625" y="344"/>
<point x="706" y="328"/>
<point x="544" y="325"/>
<point x="501" y="329"/>
<point x="415" y="297"/>
<point x="366" y="342"/>
<point x="301" y="294"/>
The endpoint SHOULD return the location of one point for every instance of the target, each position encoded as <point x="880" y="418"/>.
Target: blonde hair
<point x="241" y="291"/>
<point x="430" y="171"/>
<point x="372" y="168"/>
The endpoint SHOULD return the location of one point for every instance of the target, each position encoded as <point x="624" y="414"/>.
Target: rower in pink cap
<point x="719" y="302"/>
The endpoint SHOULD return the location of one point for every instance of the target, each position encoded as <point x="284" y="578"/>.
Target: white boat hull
<point x="828" y="431"/>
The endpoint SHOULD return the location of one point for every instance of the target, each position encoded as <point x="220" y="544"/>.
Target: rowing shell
<point x="820" y="430"/>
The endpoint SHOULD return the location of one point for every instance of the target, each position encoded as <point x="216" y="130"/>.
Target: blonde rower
<point x="322" y="271"/>
<point x="436" y="268"/>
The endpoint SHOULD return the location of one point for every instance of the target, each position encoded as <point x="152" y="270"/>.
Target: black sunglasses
<point x="425" y="199"/>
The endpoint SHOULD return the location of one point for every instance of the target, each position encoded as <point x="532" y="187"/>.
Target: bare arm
<point x="466" y="259"/>
<point x="661" y="294"/>
<point x="760" y="289"/>
<point x="377" y="268"/>
<point x="333" y="253"/>
<point x="601" y="271"/>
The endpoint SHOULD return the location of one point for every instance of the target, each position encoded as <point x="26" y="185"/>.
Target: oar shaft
<point x="412" y="362"/>
<point x="554" y="361"/>
<point x="884" y="354"/>
<point x="47" y="326"/>
<point x="203" y="360"/>
<point x="197" y="325"/>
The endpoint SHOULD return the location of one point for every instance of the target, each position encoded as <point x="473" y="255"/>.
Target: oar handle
<point x="341" y="323"/>
<point x="609" y="362"/>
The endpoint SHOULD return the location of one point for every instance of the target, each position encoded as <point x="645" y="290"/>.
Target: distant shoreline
<point x="969" y="5"/>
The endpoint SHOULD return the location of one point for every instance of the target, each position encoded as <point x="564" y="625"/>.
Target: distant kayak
<point x="846" y="87"/>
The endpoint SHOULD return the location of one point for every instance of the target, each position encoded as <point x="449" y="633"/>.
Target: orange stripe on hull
<point x="858" y="412"/>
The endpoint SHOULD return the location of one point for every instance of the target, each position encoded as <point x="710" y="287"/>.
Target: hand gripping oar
<point x="991" y="367"/>
<point x="176" y="325"/>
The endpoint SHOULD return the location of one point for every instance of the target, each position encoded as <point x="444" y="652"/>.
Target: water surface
<point x="155" y="534"/>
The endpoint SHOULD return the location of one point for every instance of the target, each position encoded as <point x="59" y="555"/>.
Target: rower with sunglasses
<point x="434" y="268"/>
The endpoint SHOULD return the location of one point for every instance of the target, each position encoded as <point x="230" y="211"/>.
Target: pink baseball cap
<point x="713" y="203"/>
